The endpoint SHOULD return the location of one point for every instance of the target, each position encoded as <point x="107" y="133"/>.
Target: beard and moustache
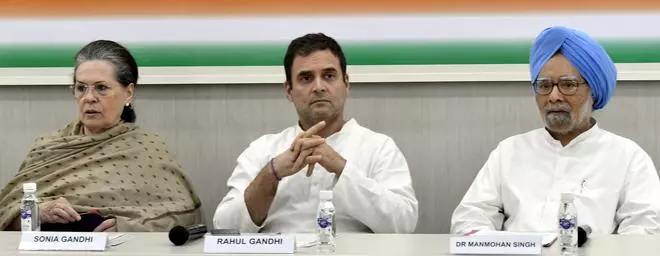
<point x="559" y="118"/>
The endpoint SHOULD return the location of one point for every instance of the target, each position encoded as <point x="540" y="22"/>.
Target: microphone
<point x="583" y="234"/>
<point x="179" y="235"/>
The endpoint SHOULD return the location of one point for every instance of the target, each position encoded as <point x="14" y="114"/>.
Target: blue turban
<point x="587" y="55"/>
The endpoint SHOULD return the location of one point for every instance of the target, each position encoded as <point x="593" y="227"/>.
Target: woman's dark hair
<point x="126" y="69"/>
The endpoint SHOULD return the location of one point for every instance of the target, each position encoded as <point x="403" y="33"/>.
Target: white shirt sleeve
<point x="481" y="207"/>
<point x="232" y="212"/>
<point x="381" y="198"/>
<point x="639" y="203"/>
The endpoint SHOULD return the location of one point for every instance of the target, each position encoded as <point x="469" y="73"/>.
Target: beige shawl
<point x="125" y="172"/>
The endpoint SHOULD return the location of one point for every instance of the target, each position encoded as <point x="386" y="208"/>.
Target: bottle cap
<point x="30" y="187"/>
<point x="325" y="194"/>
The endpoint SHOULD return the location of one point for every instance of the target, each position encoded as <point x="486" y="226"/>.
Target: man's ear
<point x="287" y="90"/>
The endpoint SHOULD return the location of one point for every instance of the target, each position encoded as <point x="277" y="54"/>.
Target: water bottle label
<point x="324" y="222"/>
<point x="26" y="214"/>
<point x="26" y="219"/>
<point x="566" y="223"/>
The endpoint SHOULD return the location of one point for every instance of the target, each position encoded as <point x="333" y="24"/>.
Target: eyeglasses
<point x="98" y="90"/>
<point x="566" y="87"/>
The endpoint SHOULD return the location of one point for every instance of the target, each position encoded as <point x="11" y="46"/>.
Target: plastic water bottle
<point x="30" y="208"/>
<point x="568" y="232"/>
<point x="326" y="223"/>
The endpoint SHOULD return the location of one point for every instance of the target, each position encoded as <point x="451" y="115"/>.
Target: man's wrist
<point x="338" y="166"/>
<point x="273" y="170"/>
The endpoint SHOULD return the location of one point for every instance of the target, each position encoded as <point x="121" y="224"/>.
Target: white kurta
<point x="373" y="194"/>
<point x="615" y="183"/>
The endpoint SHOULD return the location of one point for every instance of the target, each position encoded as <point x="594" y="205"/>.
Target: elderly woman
<point x="103" y="162"/>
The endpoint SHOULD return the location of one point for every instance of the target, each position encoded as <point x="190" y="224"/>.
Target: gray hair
<point x="125" y="65"/>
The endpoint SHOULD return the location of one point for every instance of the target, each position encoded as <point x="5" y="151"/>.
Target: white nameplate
<point x="249" y="243"/>
<point x="63" y="241"/>
<point x="496" y="244"/>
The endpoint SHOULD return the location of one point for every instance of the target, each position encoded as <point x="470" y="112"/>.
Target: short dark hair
<point x="308" y="44"/>
<point x="126" y="68"/>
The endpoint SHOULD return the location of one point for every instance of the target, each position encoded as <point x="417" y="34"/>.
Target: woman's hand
<point x="106" y="225"/>
<point x="57" y="211"/>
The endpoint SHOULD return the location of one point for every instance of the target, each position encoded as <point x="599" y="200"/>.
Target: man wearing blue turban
<point x="614" y="183"/>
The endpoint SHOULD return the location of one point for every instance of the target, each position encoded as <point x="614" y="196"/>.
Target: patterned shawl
<point x="126" y="173"/>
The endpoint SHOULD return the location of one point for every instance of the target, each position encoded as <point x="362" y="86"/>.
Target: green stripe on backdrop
<point x="358" y="53"/>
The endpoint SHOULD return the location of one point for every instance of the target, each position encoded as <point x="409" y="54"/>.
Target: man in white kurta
<point x="614" y="182"/>
<point x="519" y="187"/>
<point x="372" y="194"/>
<point x="366" y="171"/>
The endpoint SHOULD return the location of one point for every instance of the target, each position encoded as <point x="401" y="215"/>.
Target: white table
<point x="348" y="244"/>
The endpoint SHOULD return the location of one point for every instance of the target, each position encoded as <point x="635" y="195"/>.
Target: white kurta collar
<point x="348" y="126"/>
<point x="593" y="132"/>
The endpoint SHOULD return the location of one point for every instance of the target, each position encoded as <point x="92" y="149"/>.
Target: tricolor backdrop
<point x="46" y="33"/>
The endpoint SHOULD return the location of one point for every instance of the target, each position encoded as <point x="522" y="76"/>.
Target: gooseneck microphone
<point x="179" y="235"/>
<point x="583" y="234"/>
